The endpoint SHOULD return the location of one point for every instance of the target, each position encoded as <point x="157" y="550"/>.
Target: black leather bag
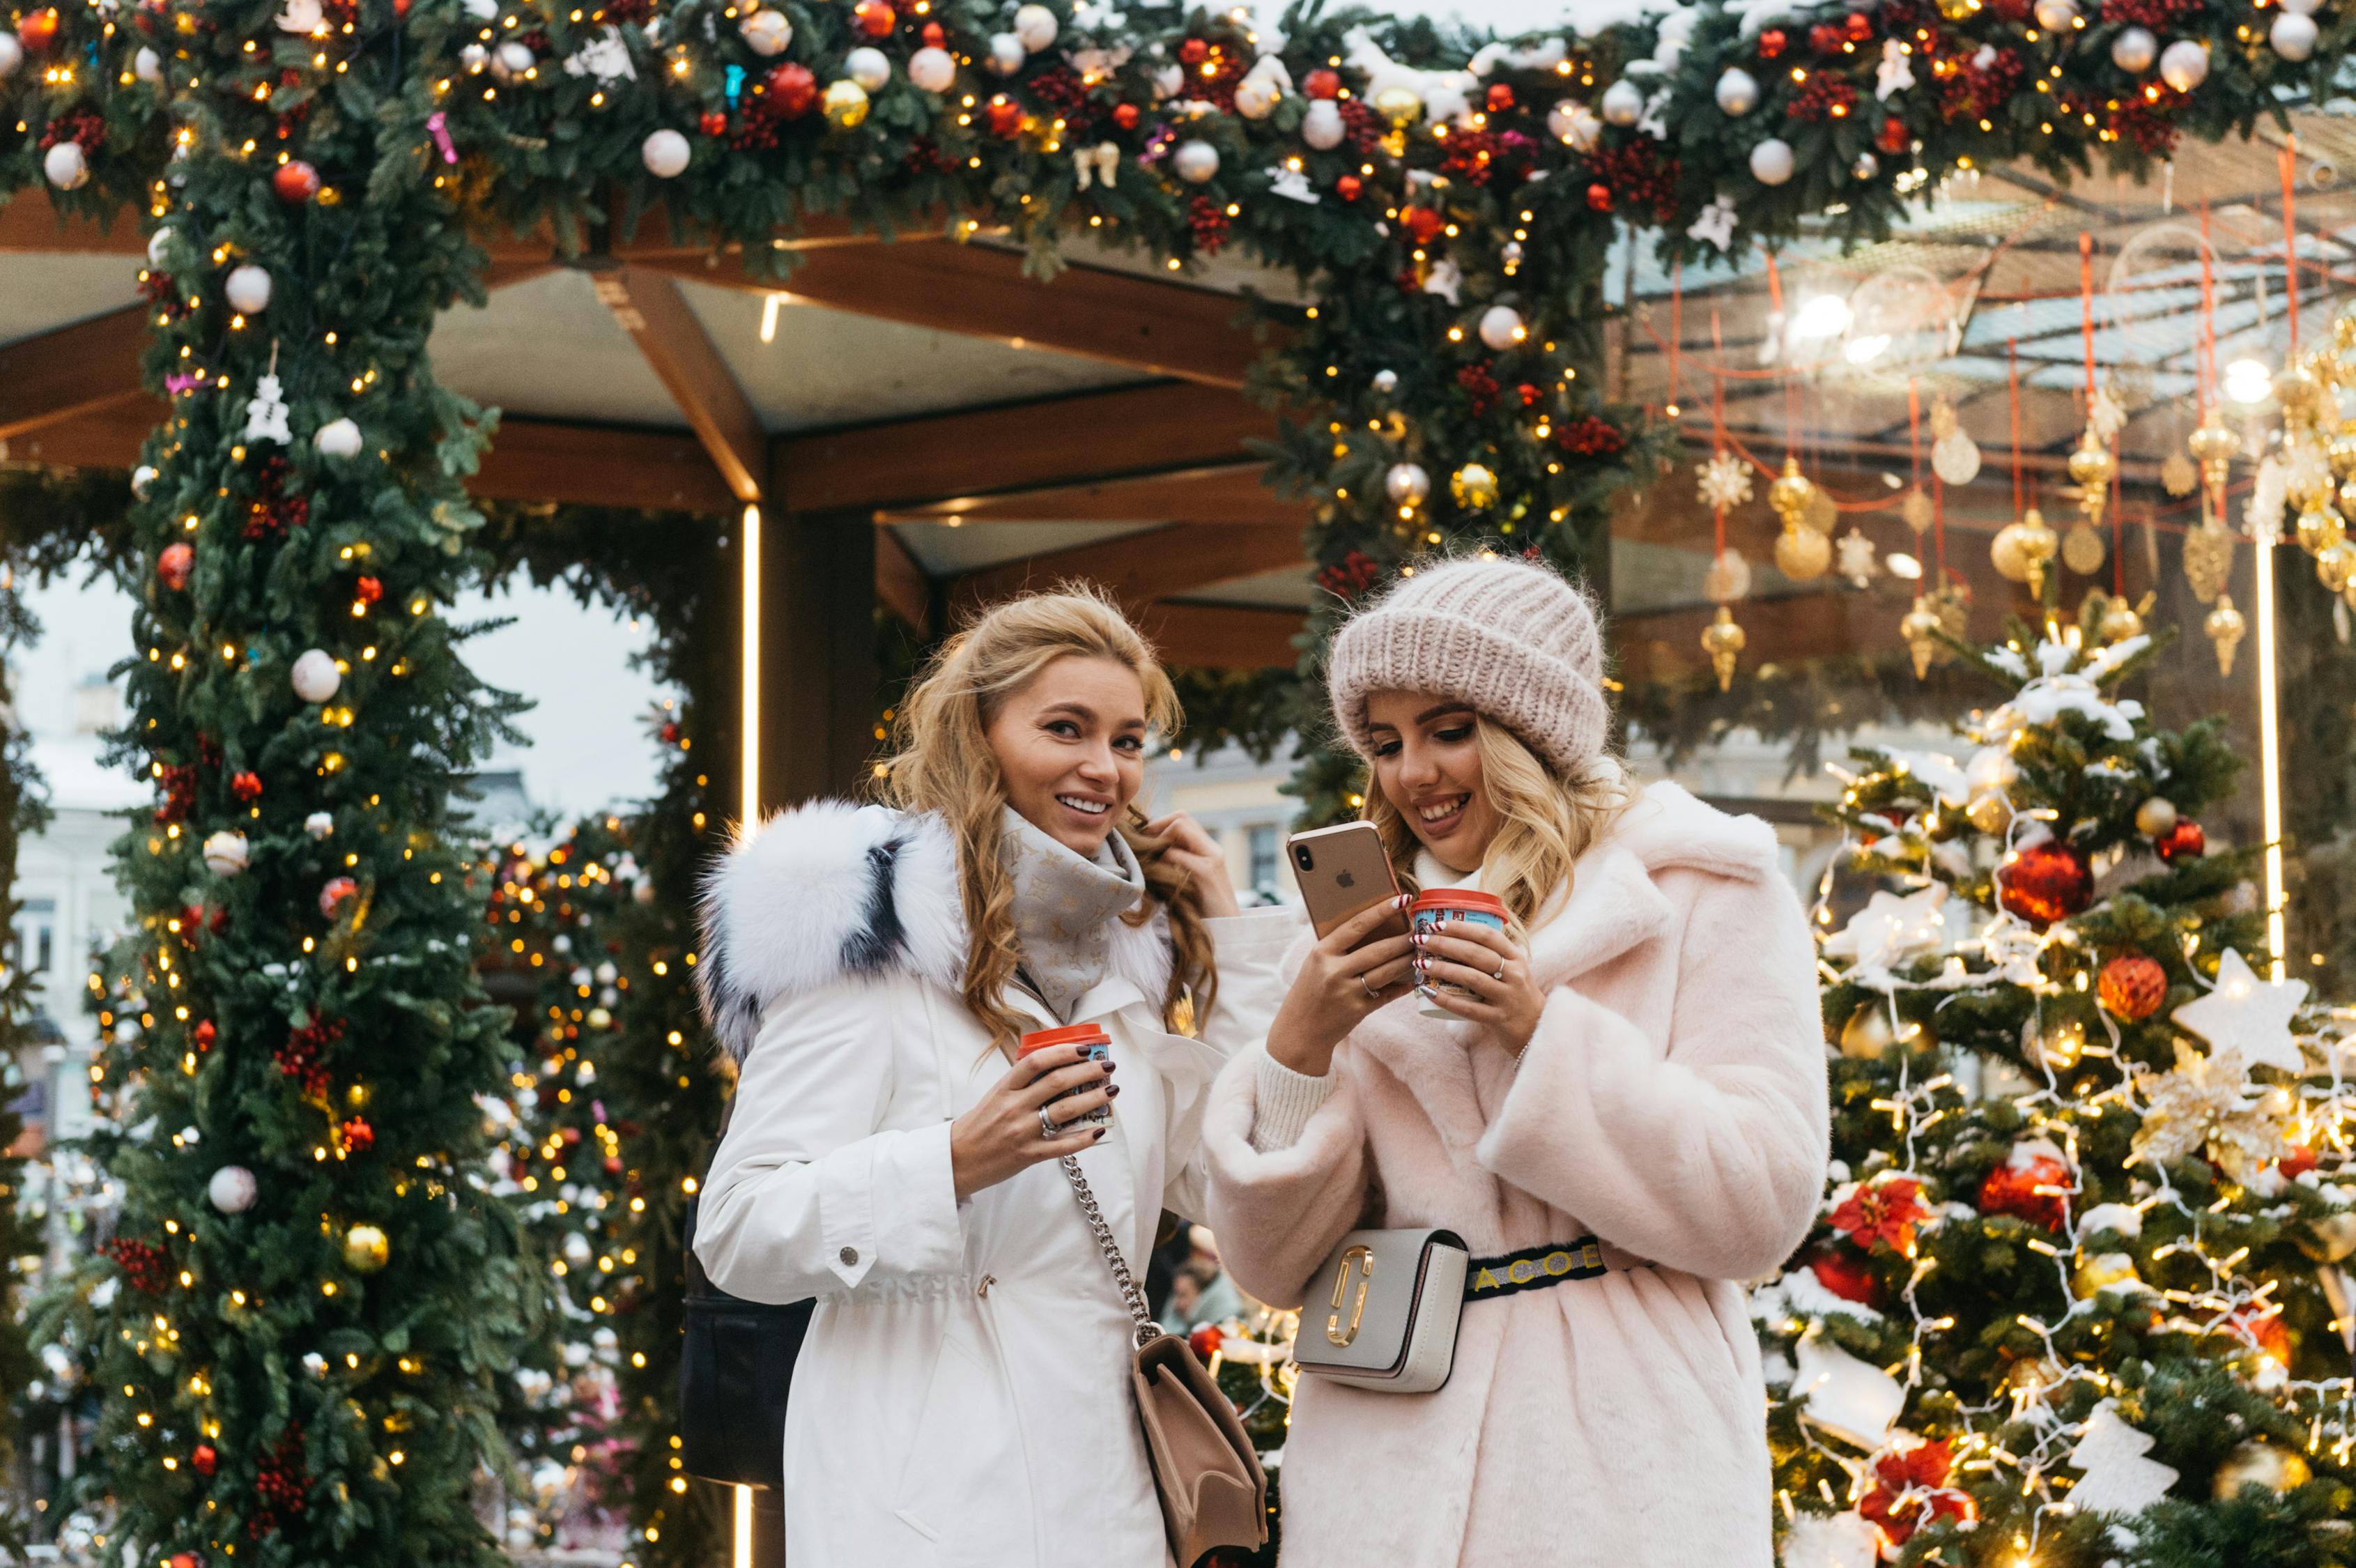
<point x="735" y="1368"/>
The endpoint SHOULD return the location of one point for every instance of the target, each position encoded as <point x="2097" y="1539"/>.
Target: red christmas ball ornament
<point x="2045" y="883"/>
<point x="2297" y="1163"/>
<point x="205" y="1034"/>
<point x="178" y="559"/>
<point x="205" y="1459"/>
<point x="2032" y="1183"/>
<point x="792" y="89"/>
<point x="1004" y="115"/>
<point x="2132" y="986"/>
<point x="1205" y="1340"/>
<point x="1860" y="27"/>
<point x="1127" y="115"/>
<point x="1424" y="222"/>
<point x="369" y="589"/>
<point x="332" y="896"/>
<point x="2264" y="1331"/>
<point x="38" y="31"/>
<point x="2185" y="841"/>
<point x="1825" y="38"/>
<point x="935" y="35"/>
<point x="181" y="1560"/>
<point x="1845" y="1274"/>
<point x="1194" y="52"/>
<point x="1599" y="197"/>
<point x="294" y="181"/>
<point x="1770" y="43"/>
<point x="1323" y="82"/>
<point x="875" y="17"/>
<point x="400" y="7"/>
<point x="248" y="787"/>
<point x="1500" y="98"/>
<point x="1895" y="138"/>
<point x="1348" y="187"/>
<point x="358" y="1135"/>
<point x="713" y="122"/>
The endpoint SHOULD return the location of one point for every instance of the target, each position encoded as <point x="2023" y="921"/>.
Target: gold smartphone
<point x="1341" y="871"/>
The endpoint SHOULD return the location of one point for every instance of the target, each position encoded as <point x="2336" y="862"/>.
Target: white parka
<point x="962" y="1397"/>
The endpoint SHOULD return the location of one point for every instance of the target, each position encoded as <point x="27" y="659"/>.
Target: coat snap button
<point x="850" y="1256"/>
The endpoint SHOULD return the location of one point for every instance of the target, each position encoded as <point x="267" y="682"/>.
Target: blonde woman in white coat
<point x="963" y="1395"/>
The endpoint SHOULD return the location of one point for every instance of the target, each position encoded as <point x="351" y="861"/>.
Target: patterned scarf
<point x="1063" y="905"/>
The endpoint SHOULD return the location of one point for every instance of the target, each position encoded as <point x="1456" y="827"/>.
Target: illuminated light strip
<point x="2270" y="754"/>
<point x="744" y="1527"/>
<point x="748" y="721"/>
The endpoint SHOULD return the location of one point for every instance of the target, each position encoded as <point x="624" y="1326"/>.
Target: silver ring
<point x="1048" y="1126"/>
<point x="1501" y="970"/>
<point x="1371" y="995"/>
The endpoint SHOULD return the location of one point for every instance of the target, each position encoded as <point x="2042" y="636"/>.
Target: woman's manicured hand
<point x="1190" y="845"/>
<point x="1492" y="966"/>
<point x="1346" y="976"/>
<point x="1001" y="1136"/>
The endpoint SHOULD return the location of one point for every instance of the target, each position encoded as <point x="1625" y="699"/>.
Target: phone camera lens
<point x="1302" y="857"/>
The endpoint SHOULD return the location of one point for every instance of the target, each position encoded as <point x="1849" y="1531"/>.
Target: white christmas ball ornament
<point x="12" y="55"/>
<point x="513" y="57"/>
<point x="664" y="153"/>
<point x="233" y="1189"/>
<point x="1623" y="103"/>
<point x="1501" y="327"/>
<point x="315" y="676"/>
<point x="339" y="438"/>
<point x="1195" y="161"/>
<point x="1574" y="123"/>
<point x="142" y="478"/>
<point x="225" y="854"/>
<point x="481" y="10"/>
<point x="2184" y="65"/>
<point x="1407" y="484"/>
<point x="766" y="32"/>
<point x="158" y="248"/>
<point x="1738" y="91"/>
<point x="1035" y="25"/>
<point x="66" y="165"/>
<point x="871" y="68"/>
<point x="1770" y="161"/>
<point x="1257" y="96"/>
<point x="933" y="69"/>
<point x="473" y="57"/>
<point x="1321" y="126"/>
<point x="319" y="824"/>
<point x="1386" y="382"/>
<point x="2053" y="15"/>
<point x="2134" y="49"/>
<point x="248" y="289"/>
<point x="2302" y="8"/>
<point x="1006" y="53"/>
<point x="146" y="65"/>
<point x="2293" y="35"/>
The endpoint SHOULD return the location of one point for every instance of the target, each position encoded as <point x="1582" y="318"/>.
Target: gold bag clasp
<point x="1363" y="1259"/>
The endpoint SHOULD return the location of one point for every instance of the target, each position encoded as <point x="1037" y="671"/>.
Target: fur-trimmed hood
<point x="833" y="891"/>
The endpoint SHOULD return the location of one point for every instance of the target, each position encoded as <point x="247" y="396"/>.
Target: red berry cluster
<point x="1477" y="155"/>
<point x="2146" y="123"/>
<point x="924" y="157"/>
<point x="1970" y="91"/>
<point x="208" y="750"/>
<point x="1208" y="219"/>
<point x="2147" y="12"/>
<point x="247" y="786"/>
<point x="1639" y="174"/>
<point x="1481" y="384"/>
<point x="1771" y="42"/>
<point x="179" y="782"/>
<point x="298" y="1058"/>
<point x="625" y="12"/>
<point x="274" y="511"/>
<point x="1365" y="126"/>
<point x="1063" y="93"/>
<point x="1826" y="38"/>
<point x="84" y="126"/>
<point x="158" y="290"/>
<point x="147" y="1266"/>
<point x="1216" y="86"/>
<point x="1351" y="575"/>
<point x="1825" y="97"/>
<point x="358" y="1135"/>
<point x="280" y="1482"/>
<point x="1590" y="436"/>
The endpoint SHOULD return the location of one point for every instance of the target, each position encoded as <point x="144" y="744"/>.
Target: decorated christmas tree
<point x="2076" y="1296"/>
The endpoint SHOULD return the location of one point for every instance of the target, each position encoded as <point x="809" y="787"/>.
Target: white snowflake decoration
<point x="1725" y="482"/>
<point x="1854" y="559"/>
<point x="2105" y="415"/>
<point x="265" y="415"/>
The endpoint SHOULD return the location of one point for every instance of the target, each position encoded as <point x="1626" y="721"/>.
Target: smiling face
<point x="1070" y="745"/>
<point x="1428" y="765"/>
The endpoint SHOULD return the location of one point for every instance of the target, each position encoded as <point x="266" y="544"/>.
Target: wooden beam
<point x="1139" y="568"/>
<point x="1161" y="329"/>
<point x="1023" y="446"/>
<point x="29" y="222"/>
<point x="1222" y="636"/>
<point x="1228" y="496"/>
<point x="74" y="369"/>
<point x="901" y="585"/>
<point x="658" y="319"/>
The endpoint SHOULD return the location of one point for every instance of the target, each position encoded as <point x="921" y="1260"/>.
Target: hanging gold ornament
<point x="2091" y="466"/>
<point x="366" y="1250"/>
<point x="2258" y="1463"/>
<point x="2102" y="1270"/>
<point x="2209" y="560"/>
<point x="1788" y="496"/>
<point x="1988" y="810"/>
<point x="1723" y="640"/>
<point x="2320" y="529"/>
<point x="1800" y="552"/>
<point x="2156" y="817"/>
<point x="2335" y="568"/>
<point x="1400" y="105"/>
<point x="2214" y="447"/>
<point x="2021" y="550"/>
<point x="2341" y="453"/>
<point x="1867" y="1033"/>
<point x="1959" y="10"/>
<point x="1475" y="487"/>
<point x="845" y="104"/>
<point x="1921" y="630"/>
<point x="2225" y="629"/>
<point x="2122" y="620"/>
<point x="2177" y="476"/>
<point x="1820" y="513"/>
<point x="2081" y="548"/>
<point x="1917" y="512"/>
<point x="2060" y="1045"/>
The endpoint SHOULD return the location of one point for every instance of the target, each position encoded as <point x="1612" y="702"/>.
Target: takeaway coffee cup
<point x="1098" y="1046"/>
<point x="1452" y="904"/>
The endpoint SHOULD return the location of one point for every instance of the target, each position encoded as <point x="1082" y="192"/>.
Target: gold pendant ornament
<point x="1791" y="495"/>
<point x="2082" y="549"/>
<point x="2258" y="1463"/>
<point x="1920" y="628"/>
<point x="2214" y="447"/>
<point x="2177" y="476"/>
<point x="2320" y="528"/>
<point x="2021" y="550"/>
<point x="2091" y="466"/>
<point x="1917" y="510"/>
<point x="2225" y="629"/>
<point x="2209" y="560"/>
<point x="2121" y="620"/>
<point x="1722" y="639"/>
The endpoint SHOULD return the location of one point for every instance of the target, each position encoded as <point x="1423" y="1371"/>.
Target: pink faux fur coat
<point x="1671" y="1102"/>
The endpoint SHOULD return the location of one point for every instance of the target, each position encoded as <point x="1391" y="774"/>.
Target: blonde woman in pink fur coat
<point x="1637" y="1060"/>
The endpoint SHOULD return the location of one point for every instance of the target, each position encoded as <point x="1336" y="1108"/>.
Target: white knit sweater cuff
<point x="1285" y="1101"/>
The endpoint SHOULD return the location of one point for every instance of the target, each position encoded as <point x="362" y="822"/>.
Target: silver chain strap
<point x="1148" y="1330"/>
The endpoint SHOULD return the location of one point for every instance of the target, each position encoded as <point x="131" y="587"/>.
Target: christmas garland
<point x="310" y="172"/>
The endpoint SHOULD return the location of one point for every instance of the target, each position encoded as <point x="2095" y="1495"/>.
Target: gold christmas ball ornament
<point x="2342" y="453"/>
<point x="2062" y="1044"/>
<point x="2102" y="1269"/>
<point x="1959" y="10"/>
<point x="1800" y="552"/>
<point x="2155" y="817"/>
<point x="1475" y="487"/>
<point x="1820" y="513"/>
<point x="1867" y="1032"/>
<point x="1400" y="105"/>
<point x="1988" y="810"/>
<point x="2121" y="620"/>
<point x="2320" y="529"/>
<point x="2335" y="568"/>
<point x="2082" y="549"/>
<point x="2212" y="443"/>
<point x="2021" y="550"/>
<point x="2091" y="465"/>
<point x="2331" y="1237"/>
<point x="2258" y="1463"/>
<point x="366" y="1250"/>
<point x="2225" y="629"/>
<point x="1723" y="640"/>
<point x="845" y="104"/>
<point x="1789" y="494"/>
<point x="1921" y="630"/>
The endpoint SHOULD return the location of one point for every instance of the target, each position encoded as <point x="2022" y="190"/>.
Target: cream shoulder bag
<point x="1382" y="1313"/>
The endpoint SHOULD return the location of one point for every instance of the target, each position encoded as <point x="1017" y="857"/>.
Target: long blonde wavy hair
<point x="942" y="764"/>
<point x="1547" y="821"/>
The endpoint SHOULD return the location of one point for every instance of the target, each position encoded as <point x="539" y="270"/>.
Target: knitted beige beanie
<point x="1509" y="637"/>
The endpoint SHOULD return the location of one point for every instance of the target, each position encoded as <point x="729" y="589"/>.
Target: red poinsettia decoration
<point x="1885" y="1211"/>
<point x="2032" y="1183"/>
<point x="1911" y="1490"/>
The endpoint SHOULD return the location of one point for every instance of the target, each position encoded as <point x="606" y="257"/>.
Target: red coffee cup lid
<point x="1069" y="1035"/>
<point x="1460" y="898"/>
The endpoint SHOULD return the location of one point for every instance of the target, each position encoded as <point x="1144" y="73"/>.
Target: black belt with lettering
<point x="1534" y="1268"/>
